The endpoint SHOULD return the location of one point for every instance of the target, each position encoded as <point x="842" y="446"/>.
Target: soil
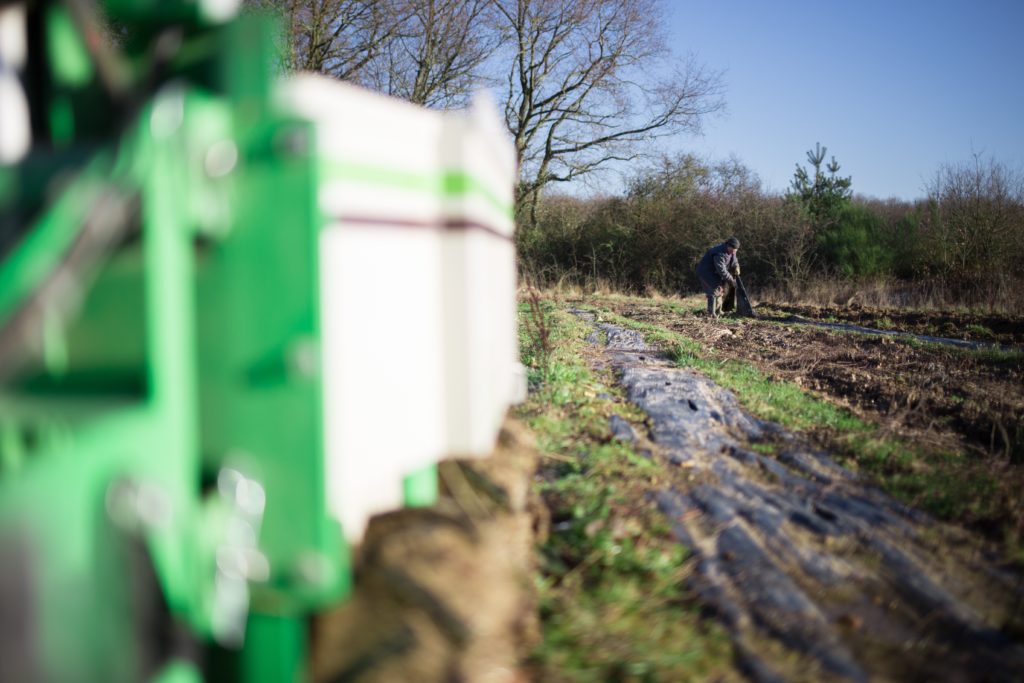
<point x="993" y="329"/>
<point x="816" y="573"/>
<point x="962" y="404"/>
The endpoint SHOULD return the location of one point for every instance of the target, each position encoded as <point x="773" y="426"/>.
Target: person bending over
<point x="717" y="271"/>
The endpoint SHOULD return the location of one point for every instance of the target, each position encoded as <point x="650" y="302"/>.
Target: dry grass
<point x="1003" y="293"/>
<point x="572" y="289"/>
<point x="1000" y="295"/>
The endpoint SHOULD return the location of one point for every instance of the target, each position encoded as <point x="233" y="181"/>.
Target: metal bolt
<point x="168" y="112"/>
<point x="303" y="358"/>
<point x="247" y="494"/>
<point x="218" y="11"/>
<point x="293" y="142"/>
<point x="133" y="505"/>
<point x="221" y="158"/>
<point x="312" y="569"/>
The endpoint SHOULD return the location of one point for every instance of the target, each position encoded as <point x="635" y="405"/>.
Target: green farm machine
<point x="240" y="313"/>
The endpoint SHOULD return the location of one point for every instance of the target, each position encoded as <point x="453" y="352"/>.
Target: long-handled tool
<point x="743" y="305"/>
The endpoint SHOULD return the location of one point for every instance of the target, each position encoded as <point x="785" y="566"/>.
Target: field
<point x="961" y="410"/>
<point x="931" y="432"/>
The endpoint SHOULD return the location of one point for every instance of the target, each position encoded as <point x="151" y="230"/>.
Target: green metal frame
<point x="161" y="420"/>
<point x="192" y="358"/>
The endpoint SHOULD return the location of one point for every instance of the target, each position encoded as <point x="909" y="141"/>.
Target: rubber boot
<point x="717" y="309"/>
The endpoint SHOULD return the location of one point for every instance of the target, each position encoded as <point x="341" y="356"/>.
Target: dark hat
<point x="732" y="242"/>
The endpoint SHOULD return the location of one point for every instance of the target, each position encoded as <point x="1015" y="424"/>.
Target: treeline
<point x="962" y="245"/>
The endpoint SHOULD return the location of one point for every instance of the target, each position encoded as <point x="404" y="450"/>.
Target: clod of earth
<point x="816" y="574"/>
<point x="440" y="592"/>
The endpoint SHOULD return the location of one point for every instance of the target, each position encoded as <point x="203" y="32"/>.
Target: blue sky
<point x="893" y="89"/>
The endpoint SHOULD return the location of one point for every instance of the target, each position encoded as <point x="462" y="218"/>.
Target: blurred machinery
<point x="239" y="315"/>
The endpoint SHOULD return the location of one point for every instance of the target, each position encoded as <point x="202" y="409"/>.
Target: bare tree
<point x="978" y="227"/>
<point x="339" y="38"/>
<point x="438" y="52"/>
<point x="430" y="52"/>
<point x="587" y="82"/>
<point x="584" y="87"/>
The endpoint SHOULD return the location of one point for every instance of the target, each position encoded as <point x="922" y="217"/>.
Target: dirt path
<point x="817" y="575"/>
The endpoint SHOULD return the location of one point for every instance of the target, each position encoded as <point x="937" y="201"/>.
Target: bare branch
<point x="334" y="37"/>
<point x="437" y="56"/>
<point x="583" y="86"/>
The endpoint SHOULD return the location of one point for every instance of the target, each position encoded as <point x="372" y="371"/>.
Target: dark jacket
<point x="716" y="265"/>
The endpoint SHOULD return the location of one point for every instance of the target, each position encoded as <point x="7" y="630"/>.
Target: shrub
<point x="855" y="246"/>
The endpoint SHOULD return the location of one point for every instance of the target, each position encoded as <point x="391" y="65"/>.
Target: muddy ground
<point x="962" y="405"/>
<point x="815" y="573"/>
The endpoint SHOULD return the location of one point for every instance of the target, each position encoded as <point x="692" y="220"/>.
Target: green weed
<point x="765" y="448"/>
